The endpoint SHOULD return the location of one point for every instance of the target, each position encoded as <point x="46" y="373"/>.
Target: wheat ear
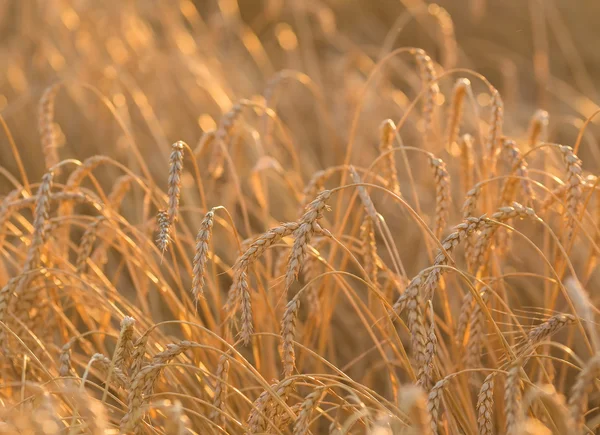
<point x="87" y="243"/>
<point x="495" y="129"/>
<point x="46" y="125"/>
<point x="308" y="225"/>
<point x="124" y="350"/>
<point x="288" y="335"/>
<point x="574" y="182"/>
<point x="201" y="256"/>
<point x="538" y="127"/>
<point x="302" y="424"/>
<point x="442" y="194"/>
<point x="512" y="397"/>
<point x="174" y="182"/>
<point x="164" y="230"/>
<point x="387" y="132"/>
<point x="485" y="406"/>
<point x="461" y="88"/>
<point x="428" y="77"/>
<point x="222" y="376"/>
<point x="578" y="400"/>
<point x="434" y="403"/>
<point x="476" y="335"/>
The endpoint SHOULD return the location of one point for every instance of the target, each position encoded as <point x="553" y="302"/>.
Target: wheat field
<point x="299" y="217"/>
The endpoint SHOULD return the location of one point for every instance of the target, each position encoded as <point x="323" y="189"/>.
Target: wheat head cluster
<point x="240" y="217"/>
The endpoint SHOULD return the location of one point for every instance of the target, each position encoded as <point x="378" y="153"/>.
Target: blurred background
<point x="172" y="68"/>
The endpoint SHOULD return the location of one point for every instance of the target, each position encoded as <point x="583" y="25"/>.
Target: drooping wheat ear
<point x="119" y="189"/>
<point x="104" y="363"/>
<point x="538" y="128"/>
<point x="364" y="196"/>
<point x="485" y="406"/>
<point x="548" y="328"/>
<point x="386" y="144"/>
<point x="519" y="167"/>
<point x="574" y="182"/>
<point x="311" y="269"/>
<point x="42" y="205"/>
<point x="495" y="129"/>
<point x="263" y="242"/>
<point x="86" y="244"/>
<point x="428" y="77"/>
<point x="174" y="182"/>
<point x="309" y="224"/>
<point x="476" y="334"/>
<point x="433" y="403"/>
<point x="502" y="215"/>
<point x="88" y="165"/>
<point x="246" y="302"/>
<point x="429" y="281"/>
<point x="450" y="53"/>
<point x="465" y="143"/>
<point x="218" y="402"/>
<point x="470" y="203"/>
<point x="369" y="248"/>
<point x="138" y="356"/>
<point x="28" y="294"/>
<point x="164" y="230"/>
<point x="442" y="194"/>
<point x="557" y="194"/>
<point x="425" y="375"/>
<point x="578" y="401"/>
<point x="288" y="335"/>
<point x="313" y="187"/>
<point x="409" y="297"/>
<point x="46" y="125"/>
<point x="216" y="164"/>
<point x="583" y="307"/>
<point x="459" y="234"/>
<point x="64" y="359"/>
<point x="201" y="256"/>
<point x="143" y="382"/>
<point x="255" y="250"/>
<point x="5" y="297"/>
<point x="512" y="397"/>
<point x="466" y="308"/>
<point x="413" y="401"/>
<point x="310" y="403"/>
<point x="461" y="87"/>
<point x="468" y="210"/>
<point x="6" y="207"/>
<point x="124" y="349"/>
<point x="264" y="409"/>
